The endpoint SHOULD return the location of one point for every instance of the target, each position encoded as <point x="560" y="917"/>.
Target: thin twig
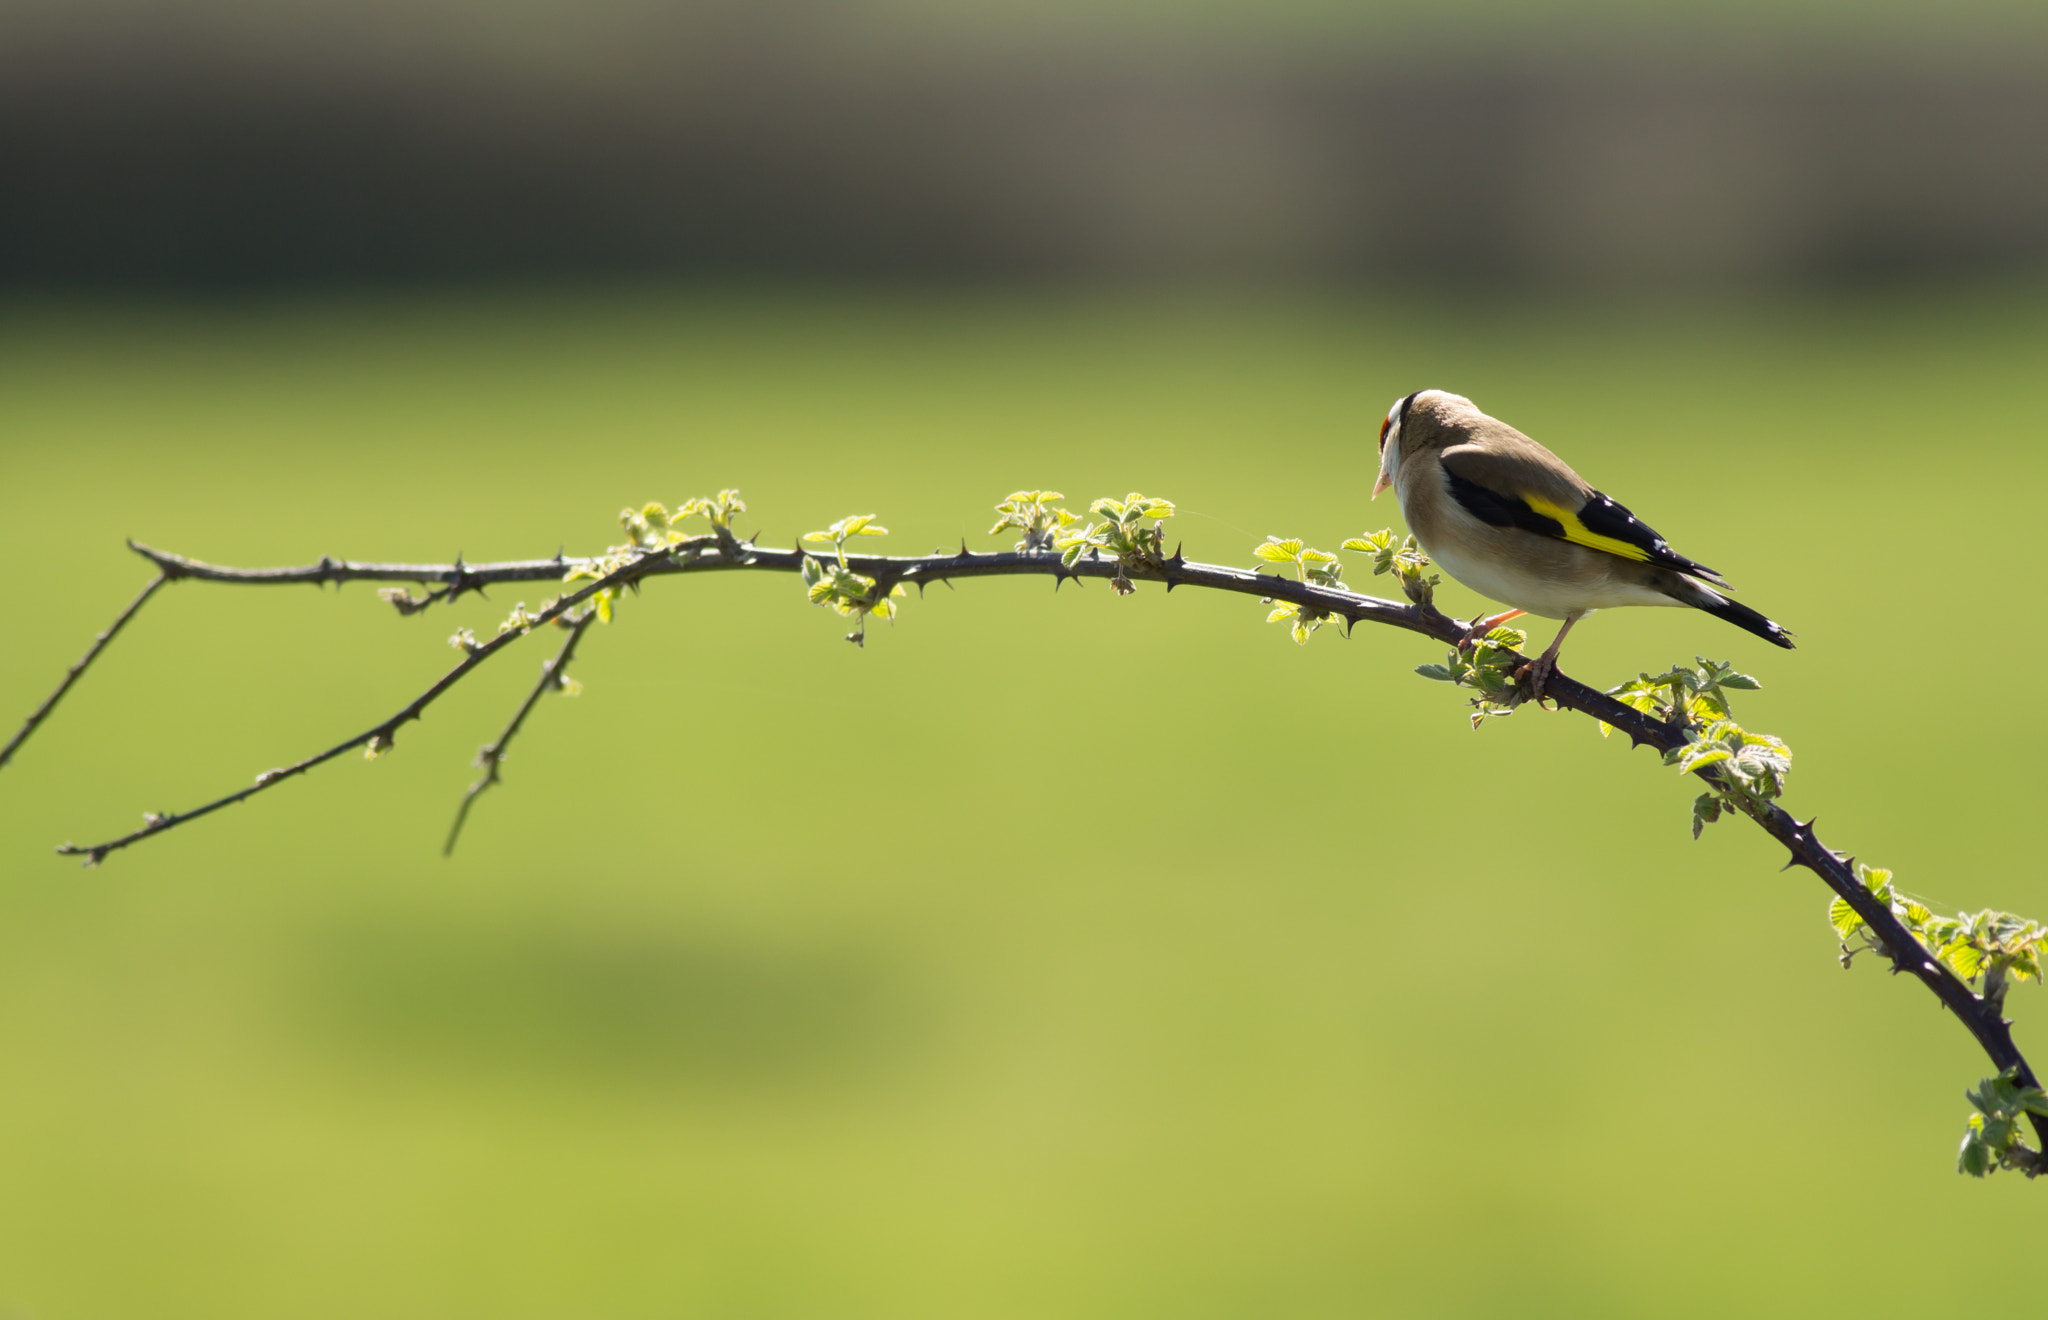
<point x="492" y="755"/>
<point x="378" y="737"/>
<point x="1981" y="1016"/>
<point x="77" y="671"/>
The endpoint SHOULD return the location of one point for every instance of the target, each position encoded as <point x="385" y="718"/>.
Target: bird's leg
<point x="1485" y="624"/>
<point x="1540" y="669"/>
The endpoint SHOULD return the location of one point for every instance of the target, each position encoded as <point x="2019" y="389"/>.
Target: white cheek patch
<point x="1390" y="446"/>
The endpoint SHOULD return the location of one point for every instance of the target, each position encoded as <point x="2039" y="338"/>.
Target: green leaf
<point x="1974" y="1157"/>
<point x="1491" y="682"/>
<point x="1758" y="760"/>
<point x="1843" y="918"/>
<point x="1277" y="551"/>
<point x="1436" y="673"/>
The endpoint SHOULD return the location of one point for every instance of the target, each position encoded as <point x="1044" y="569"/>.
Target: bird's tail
<point x="1742" y="616"/>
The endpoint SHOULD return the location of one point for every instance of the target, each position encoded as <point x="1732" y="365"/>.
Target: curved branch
<point x="705" y="554"/>
<point x="1980" y="1014"/>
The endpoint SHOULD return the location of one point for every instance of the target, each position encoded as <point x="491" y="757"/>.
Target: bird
<point x="1511" y="520"/>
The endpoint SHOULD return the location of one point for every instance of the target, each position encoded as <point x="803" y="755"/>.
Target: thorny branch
<point x="1981" y="1015"/>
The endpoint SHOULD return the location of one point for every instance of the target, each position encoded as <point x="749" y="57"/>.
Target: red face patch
<point x="1393" y="419"/>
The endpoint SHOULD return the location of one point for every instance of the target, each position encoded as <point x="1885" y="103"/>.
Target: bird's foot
<point x="1537" y="675"/>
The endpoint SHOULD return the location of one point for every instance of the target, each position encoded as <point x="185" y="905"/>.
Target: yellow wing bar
<point x="1579" y="534"/>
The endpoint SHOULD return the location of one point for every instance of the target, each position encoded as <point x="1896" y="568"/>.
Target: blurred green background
<point x="786" y="979"/>
<point x="782" y="978"/>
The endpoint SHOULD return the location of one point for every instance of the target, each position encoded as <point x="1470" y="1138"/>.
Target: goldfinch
<point x="1511" y="520"/>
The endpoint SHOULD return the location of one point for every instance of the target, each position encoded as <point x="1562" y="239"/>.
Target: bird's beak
<point x="1380" y="485"/>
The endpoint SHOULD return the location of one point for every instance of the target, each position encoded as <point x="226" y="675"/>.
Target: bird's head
<point x="1414" y="424"/>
